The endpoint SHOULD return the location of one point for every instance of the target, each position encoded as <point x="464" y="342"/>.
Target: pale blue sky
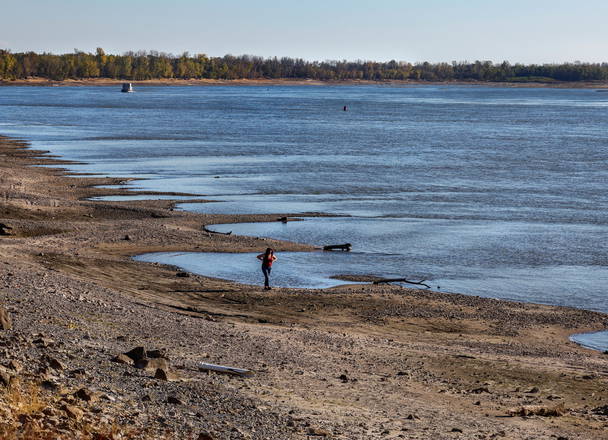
<point x="425" y="30"/>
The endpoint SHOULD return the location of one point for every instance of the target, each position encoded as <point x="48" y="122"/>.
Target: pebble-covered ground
<point x="104" y="347"/>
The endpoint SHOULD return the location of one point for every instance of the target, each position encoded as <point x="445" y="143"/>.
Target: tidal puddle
<point x="595" y="340"/>
<point x="292" y="269"/>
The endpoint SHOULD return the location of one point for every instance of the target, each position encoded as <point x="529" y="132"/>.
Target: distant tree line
<point x="155" y="65"/>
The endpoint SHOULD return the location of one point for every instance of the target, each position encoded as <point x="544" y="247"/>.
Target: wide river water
<point x="497" y="192"/>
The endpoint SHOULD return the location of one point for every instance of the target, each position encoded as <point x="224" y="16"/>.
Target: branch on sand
<point x="402" y="280"/>
<point x="209" y="231"/>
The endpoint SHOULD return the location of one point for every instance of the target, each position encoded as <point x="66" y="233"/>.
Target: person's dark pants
<point x="266" y="272"/>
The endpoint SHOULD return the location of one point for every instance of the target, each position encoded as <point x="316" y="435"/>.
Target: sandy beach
<point x="359" y="361"/>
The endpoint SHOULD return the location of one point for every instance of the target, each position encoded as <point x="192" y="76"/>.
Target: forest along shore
<point x="101" y="344"/>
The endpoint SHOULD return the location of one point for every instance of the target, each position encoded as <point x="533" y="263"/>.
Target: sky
<point x="539" y="31"/>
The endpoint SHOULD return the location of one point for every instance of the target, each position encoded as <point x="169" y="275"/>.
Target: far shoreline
<point x="107" y="82"/>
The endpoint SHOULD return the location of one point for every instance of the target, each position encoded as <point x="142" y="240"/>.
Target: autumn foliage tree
<point x="155" y="65"/>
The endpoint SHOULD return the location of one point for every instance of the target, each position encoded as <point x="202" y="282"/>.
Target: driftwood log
<point x="209" y="231"/>
<point x="402" y="280"/>
<point x="222" y="369"/>
<point x="342" y="247"/>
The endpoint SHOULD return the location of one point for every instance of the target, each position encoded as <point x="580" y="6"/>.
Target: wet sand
<point x="351" y="362"/>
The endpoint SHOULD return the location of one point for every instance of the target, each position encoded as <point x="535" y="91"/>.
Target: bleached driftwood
<point x="539" y="410"/>
<point x="222" y="369"/>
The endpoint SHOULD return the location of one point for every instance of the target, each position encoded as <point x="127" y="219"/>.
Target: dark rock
<point x="600" y="410"/>
<point x="481" y="390"/>
<point x="55" y="364"/>
<point x="343" y="378"/>
<point x="24" y="419"/>
<point x="44" y="342"/>
<point x="174" y="400"/>
<point x="156" y="354"/>
<point x="163" y="374"/>
<point x="5" y="377"/>
<point x="127" y="237"/>
<point x="49" y="385"/>
<point x="137" y="353"/>
<point x="182" y="275"/>
<point x="534" y="390"/>
<point x="456" y="430"/>
<point x="86" y="395"/>
<point x="205" y="436"/>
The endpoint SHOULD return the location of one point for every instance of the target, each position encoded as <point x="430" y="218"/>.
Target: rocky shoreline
<point x="101" y="346"/>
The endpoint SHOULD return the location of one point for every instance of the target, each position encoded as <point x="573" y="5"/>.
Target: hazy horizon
<point x="545" y="32"/>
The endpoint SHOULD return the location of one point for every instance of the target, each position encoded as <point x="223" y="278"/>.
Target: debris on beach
<point x="222" y="369"/>
<point x="539" y="410"/>
<point x="209" y="231"/>
<point x="4" y="229"/>
<point x="401" y="280"/>
<point x="346" y="247"/>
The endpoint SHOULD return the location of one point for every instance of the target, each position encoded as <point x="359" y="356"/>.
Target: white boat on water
<point x="127" y="88"/>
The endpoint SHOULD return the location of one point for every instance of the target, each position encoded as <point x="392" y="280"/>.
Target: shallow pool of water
<point x="595" y="340"/>
<point x="288" y="271"/>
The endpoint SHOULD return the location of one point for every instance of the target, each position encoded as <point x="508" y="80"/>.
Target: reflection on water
<point x="484" y="190"/>
<point x="289" y="270"/>
<point x="511" y="260"/>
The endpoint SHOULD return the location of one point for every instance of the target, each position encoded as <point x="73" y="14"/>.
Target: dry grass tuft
<point x="24" y="413"/>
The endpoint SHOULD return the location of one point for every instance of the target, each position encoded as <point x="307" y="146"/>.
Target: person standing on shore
<point x="267" y="258"/>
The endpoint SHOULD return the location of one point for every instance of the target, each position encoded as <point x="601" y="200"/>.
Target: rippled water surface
<point x="488" y="191"/>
